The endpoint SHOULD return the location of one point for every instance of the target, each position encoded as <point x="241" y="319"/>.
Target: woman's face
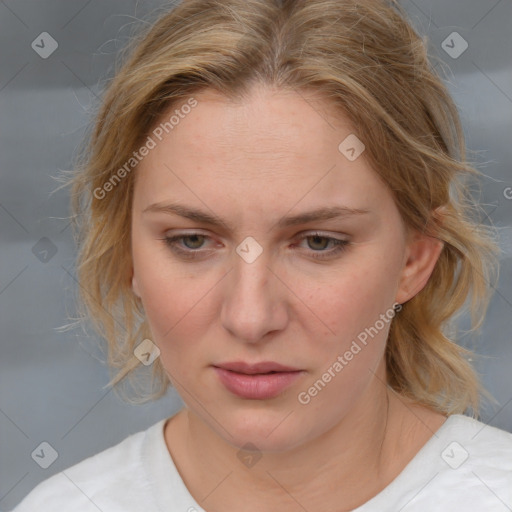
<point x="267" y="282"/>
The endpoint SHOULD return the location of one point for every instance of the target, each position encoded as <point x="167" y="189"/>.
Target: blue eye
<point x="194" y="237"/>
<point x="191" y="245"/>
<point x="338" y="245"/>
<point x="190" y="251"/>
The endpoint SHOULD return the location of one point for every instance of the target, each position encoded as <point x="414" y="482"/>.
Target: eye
<point x="319" y="242"/>
<point x="192" y="245"/>
<point x="192" y="242"/>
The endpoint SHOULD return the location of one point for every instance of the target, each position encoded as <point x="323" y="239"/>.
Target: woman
<point x="274" y="218"/>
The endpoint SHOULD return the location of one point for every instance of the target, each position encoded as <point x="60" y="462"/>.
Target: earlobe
<point x="422" y="255"/>
<point x="135" y="286"/>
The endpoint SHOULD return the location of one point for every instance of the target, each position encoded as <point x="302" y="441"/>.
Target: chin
<point x="268" y="430"/>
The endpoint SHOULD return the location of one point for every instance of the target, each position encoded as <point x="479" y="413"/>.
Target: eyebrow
<point x="324" y="213"/>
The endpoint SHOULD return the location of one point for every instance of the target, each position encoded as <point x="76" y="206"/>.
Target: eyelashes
<point x="175" y="244"/>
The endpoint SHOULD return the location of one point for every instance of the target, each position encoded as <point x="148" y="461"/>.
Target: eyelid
<point x="339" y="244"/>
<point x="173" y="237"/>
<point x="301" y="235"/>
<point x="319" y="232"/>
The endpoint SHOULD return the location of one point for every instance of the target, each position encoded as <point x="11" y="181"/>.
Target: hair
<point x="365" y="59"/>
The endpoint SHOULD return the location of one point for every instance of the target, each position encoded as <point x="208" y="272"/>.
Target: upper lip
<point x="251" y="369"/>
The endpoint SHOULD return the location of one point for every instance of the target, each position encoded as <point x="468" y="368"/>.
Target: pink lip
<point x="257" y="386"/>
<point x="262" y="367"/>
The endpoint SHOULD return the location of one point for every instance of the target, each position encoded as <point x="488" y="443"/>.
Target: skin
<point x="253" y="163"/>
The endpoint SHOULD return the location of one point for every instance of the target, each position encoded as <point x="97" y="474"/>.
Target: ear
<point x="422" y="253"/>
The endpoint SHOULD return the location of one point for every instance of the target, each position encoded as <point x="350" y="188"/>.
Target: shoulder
<point x="114" y="479"/>
<point x="465" y="465"/>
<point x="479" y="444"/>
<point x="468" y="467"/>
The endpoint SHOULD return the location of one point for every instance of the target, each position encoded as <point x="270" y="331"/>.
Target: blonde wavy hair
<point x="364" y="58"/>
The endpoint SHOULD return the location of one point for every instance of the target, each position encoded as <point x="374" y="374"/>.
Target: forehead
<point x="267" y="123"/>
<point x="280" y="142"/>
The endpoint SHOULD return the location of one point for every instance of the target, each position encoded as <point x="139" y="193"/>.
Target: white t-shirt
<point x="465" y="466"/>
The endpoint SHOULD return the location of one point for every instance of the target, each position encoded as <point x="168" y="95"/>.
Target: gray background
<point x="52" y="383"/>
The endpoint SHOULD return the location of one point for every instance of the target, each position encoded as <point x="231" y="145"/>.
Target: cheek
<point x="177" y="302"/>
<point x="357" y="307"/>
<point x="354" y="304"/>
<point x="172" y="301"/>
<point x="347" y="299"/>
<point x="332" y="307"/>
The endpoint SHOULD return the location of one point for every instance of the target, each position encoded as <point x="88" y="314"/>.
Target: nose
<point x="254" y="302"/>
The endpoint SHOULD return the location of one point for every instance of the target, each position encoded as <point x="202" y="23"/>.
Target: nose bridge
<point x="251" y="305"/>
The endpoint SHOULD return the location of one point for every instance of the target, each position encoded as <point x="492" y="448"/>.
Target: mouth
<point x="264" y="367"/>
<point x="261" y="381"/>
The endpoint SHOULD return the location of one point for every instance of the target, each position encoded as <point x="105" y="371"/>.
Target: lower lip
<point x="258" y="386"/>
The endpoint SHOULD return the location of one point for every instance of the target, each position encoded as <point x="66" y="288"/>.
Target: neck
<point x="348" y="464"/>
